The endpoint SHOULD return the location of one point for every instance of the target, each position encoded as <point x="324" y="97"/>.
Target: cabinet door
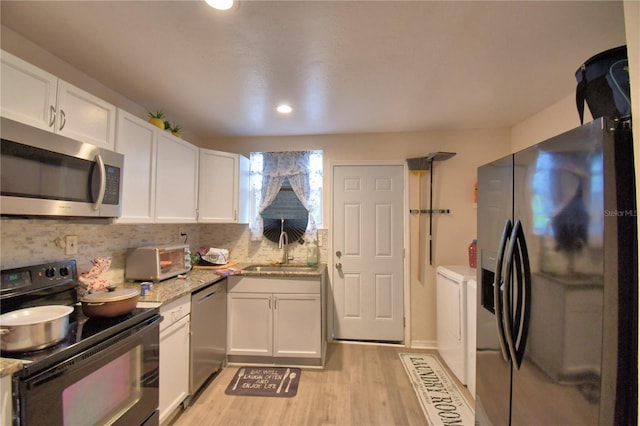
<point x="136" y="139"/>
<point x="6" y="400"/>
<point x="177" y="180"/>
<point x="27" y="93"/>
<point x="249" y="324"/>
<point x="174" y="367"/>
<point x="224" y="183"/>
<point x="297" y="325"/>
<point x="85" y="117"/>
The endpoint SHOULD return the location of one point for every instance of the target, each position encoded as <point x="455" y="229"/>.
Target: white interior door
<point x="368" y="248"/>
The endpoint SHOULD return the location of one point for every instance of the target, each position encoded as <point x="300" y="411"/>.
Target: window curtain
<point x="294" y="165"/>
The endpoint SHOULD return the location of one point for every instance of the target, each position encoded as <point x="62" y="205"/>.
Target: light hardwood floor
<point x="360" y="385"/>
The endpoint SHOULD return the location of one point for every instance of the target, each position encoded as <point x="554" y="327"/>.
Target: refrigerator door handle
<point x="507" y="313"/>
<point x="525" y="299"/>
<point x="517" y="325"/>
<point x="498" y="289"/>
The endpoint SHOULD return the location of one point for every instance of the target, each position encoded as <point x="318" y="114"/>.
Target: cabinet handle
<point x="269" y="302"/>
<point x="275" y="303"/>
<point x="63" y="117"/>
<point x="52" y="115"/>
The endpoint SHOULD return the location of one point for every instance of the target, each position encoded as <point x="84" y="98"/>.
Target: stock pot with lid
<point x="110" y="303"/>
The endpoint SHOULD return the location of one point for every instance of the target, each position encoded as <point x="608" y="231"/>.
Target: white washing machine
<point x="451" y="291"/>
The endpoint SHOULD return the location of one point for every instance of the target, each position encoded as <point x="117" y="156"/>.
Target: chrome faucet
<point x="283" y="243"/>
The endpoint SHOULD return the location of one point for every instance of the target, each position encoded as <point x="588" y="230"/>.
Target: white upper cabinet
<point x="160" y="174"/>
<point x="85" y="117"/>
<point x="28" y="93"/>
<point x="136" y="139"/>
<point x="176" y="180"/>
<point x="35" y="97"/>
<point x="224" y="187"/>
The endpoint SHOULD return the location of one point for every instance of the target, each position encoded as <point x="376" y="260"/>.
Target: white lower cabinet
<point x="5" y="394"/>
<point x="249" y="324"/>
<point x="174" y="356"/>
<point x="283" y="323"/>
<point x="296" y="325"/>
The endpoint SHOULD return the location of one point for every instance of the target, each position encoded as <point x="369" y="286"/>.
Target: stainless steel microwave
<point x="45" y="174"/>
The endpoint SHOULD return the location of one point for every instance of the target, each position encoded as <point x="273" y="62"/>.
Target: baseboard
<point x="424" y="344"/>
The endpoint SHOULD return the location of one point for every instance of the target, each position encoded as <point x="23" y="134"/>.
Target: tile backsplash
<point x="236" y="239"/>
<point x="33" y="241"/>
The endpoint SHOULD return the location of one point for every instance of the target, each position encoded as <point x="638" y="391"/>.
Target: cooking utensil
<point x="240" y="374"/>
<point x="291" y="377"/>
<point x="110" y="304"/>
<point x="30" y="329"/>
<point x="283" y="379"/>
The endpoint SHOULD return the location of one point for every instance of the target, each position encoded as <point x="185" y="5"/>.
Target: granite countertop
<point x="166" y="291"/>
<point x="9" y="366"/>
<point x="169" y="290"/>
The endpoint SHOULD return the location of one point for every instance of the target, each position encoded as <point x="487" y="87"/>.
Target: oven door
<point x="114" y="382"/>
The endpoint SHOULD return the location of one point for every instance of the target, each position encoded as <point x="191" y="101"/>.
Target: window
<point x="299" y="172"/>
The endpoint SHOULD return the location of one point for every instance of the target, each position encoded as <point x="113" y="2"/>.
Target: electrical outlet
<point x="71" y="244"/>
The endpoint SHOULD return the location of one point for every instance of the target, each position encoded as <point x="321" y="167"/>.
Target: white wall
<point x="563" y="115"/>
<point x="552" y="121"/>
<point x="454" y="182"/>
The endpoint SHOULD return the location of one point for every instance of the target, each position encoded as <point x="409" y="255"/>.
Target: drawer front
<point x="294" y="285"/>
<point x="174" y="311"/>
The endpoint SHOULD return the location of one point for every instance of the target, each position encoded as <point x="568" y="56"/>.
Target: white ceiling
<point x="345" y="67"/>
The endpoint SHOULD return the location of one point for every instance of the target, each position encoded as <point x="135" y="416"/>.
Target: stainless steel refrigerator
<point x="557" y="320"/>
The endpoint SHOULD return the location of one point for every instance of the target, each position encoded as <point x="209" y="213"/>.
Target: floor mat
<point x="439" y="396"/>
<point x="265" y="381"/>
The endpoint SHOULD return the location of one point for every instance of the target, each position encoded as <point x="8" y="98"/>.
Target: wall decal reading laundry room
<point x="270" y="381"/>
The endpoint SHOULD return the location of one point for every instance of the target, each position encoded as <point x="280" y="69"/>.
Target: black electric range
<point x="55" y="283"/>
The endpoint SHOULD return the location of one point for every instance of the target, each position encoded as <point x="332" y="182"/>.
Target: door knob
<point x="338" y="265"/>
<point x="339" y="253"/>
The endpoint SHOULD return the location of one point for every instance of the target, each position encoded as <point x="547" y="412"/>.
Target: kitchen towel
<point x="265" y="381"/>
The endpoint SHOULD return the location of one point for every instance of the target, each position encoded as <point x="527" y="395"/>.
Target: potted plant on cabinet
<point x="175" y="130"/>
<point x="157" y="119"/>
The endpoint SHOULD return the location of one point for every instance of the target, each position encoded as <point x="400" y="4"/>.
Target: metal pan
<point x="30" y="329"/>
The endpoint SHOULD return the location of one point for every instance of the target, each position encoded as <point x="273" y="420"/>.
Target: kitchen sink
<point x="281" y="268"/>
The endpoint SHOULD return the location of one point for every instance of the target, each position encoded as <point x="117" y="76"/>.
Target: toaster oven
<point x="157" y="263"/>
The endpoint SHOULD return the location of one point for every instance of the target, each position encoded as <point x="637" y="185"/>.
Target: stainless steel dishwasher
<point x="208" y="333"/>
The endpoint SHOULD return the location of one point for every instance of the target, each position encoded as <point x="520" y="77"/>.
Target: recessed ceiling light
<point x="220" y="4"/>
<point x="284" y="109"/>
